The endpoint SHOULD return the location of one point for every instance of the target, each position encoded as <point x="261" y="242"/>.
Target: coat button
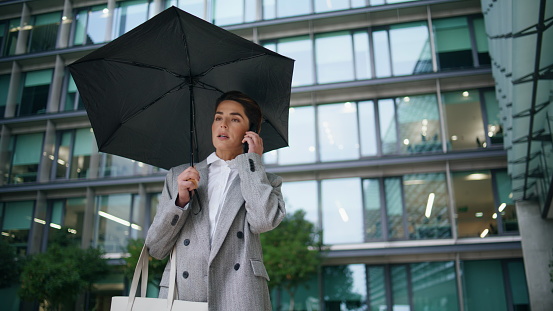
<point x="252" y="165"/>
<point x="175" y="219"/>
<point x="240" y="234"/>
<point x="185" y="274"/>
<point x="237" y="266"/>
<point x="186" y="242"/>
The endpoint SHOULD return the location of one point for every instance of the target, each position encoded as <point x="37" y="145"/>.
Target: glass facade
<point x="386" y="112"/>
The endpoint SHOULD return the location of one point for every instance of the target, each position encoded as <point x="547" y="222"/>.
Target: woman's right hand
<point x="187" y="181"/>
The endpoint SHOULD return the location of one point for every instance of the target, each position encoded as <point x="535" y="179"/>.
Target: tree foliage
<point x="292" y="253"/>
<point x="56" y="277"/>
<point x="155" y="267"/>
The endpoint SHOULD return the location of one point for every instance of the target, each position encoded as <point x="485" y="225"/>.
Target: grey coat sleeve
<point x="169" y="218"/>
<point x="262" y="193"/>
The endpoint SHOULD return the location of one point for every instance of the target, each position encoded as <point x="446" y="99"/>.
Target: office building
<point x="420" y="143"/>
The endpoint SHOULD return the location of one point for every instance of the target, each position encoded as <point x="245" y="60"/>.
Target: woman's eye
<point x="235" y="120"/>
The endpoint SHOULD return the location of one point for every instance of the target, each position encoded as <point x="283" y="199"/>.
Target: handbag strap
<point x="142" y="268"/>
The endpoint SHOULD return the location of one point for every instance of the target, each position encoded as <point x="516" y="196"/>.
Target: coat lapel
<point x="231" y="206"/>
<point x="202" y="230"/>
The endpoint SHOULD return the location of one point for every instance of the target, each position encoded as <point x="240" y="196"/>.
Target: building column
<point x="54" y="97"/>
<point x="537" y="249"/>
<point x="13" y="91"/>
<point x="22" y="38"/>
<point x="65" y="28"/>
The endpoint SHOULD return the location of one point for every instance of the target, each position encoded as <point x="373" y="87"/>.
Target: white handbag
<point x="133" y="303"/>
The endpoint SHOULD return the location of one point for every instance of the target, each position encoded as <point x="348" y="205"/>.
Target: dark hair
<point x="251" y="108"/>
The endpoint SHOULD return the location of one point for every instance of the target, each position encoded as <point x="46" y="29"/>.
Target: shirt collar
<point x="213" y="158"/>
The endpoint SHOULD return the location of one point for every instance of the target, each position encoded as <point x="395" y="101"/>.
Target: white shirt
<point x="221" y="175"/>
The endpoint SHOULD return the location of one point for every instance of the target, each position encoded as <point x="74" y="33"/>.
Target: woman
<point x="219" y="256"/>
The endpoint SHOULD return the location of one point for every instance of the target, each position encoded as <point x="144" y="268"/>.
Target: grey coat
<point x="230" y="275"/>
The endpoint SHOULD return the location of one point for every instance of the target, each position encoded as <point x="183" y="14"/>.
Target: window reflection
<point x="373" y="209"/>
<point x="330" y="5"/>
<point x="345" y="287"/>
<point x="338" y="133"/>
<point x="84" y="146"/>
<point x="67" y="215"/>
<point x="464" y="121"/>
<point x="72" y="99"/>
<point x="494" y="125"/>
<point x="426" y="206"/>
<point x="342" y="211"/>
<point x="419" y="124"/>
<point x="506" y="210"/>
<point x="394" y="208"/>
<point x="10" y="43"/>
<point x="115" y="166"/>
<point x="410" y="49"/>
<point x="194" y="7"/>
<point x="113" y="222"/>
<point x="284" y="8"/>
<point x="481" y="39"/>
<point x="388" y="127"/>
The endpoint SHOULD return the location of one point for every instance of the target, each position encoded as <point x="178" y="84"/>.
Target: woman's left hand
<point x="255" y="142"/>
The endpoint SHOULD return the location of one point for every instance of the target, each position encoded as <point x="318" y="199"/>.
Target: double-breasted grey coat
<point x="229" y="274"/>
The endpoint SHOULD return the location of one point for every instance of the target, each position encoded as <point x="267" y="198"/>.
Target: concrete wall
<point x="537" y="249"/>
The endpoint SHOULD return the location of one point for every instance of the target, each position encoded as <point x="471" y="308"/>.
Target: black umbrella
<point x="150" y="93"/>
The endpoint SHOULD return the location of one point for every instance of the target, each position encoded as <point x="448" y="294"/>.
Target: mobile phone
<point x="246" y="147"/>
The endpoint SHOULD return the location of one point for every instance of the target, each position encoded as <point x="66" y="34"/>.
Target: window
<point x="483" y="285"/>
<point x="506" y="211"/>
<point x="90" y="25"/>
<point x="342" y="211"/>
<point x="4" y="88"/>
<point x="481" y="41"/>
<point x="338" y="133"/>
<point x="410" y="124"/>
<point x="416" y="207"/>
<point x="16" y="224"/>
<point x="73" y="152"/>
<point x="34" y="95"/>
<point x="10" y="34"/>
<point x="284" y="8"/>
<point x="367" y="128"/>
<point x="464" y="121"/>
<point x="128" y="15"/>
<point x="302" y="195"/>
<point x="118" y="218"/>
<point x="67" y="215"/>
<point x="402" y="49"/>
<point x="453" y="47"/>
<point x="27" y="151"/>
<point x="334" y="57"/>
<point x="82" y="150"/>
<point x="228" y="12"/>
<point x="300" y="49"/>
<point x="334" y="5"/>
<point x="72" y="99"/>
<point x="475" y="206"/>
<point x="493" y="118"/>
<point x="373" y="209"/>
<point x="344" y="287"/>
<point x="44" y="32"/>
<point x="115" y="166"/>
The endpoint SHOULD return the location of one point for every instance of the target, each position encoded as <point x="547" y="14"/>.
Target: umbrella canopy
<point x="150" y="94"/>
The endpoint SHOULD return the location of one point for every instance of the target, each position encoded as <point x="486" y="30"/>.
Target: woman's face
<point x="229" y="127"/>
